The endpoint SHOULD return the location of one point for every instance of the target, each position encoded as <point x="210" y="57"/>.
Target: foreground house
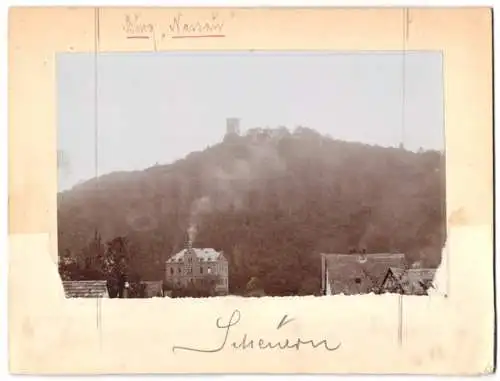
<point x="193" y="266"/>
<point x="353" y="274"/>
<point x="86" y="289"/>
<point x="408" y="281"/>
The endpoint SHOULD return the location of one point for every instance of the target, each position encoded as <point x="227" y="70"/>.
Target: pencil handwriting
<point x="244" y="342"/>
<point x="178" y="26"/>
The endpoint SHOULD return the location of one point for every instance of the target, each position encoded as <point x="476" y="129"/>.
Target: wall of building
<point x="222" y="270"/>
<point x="328" y="287"/>
<point x="177" y="273"/>
<point x="323" y="274"/>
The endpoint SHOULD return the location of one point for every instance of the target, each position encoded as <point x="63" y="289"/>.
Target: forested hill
<point x="272" y="200"/>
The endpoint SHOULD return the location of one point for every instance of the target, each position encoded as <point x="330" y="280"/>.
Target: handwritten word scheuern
<point x="178" y="26"/>
<point x="245" y="343"/>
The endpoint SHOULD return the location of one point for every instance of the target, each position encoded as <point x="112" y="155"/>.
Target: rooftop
<point x="85" y="289"/>
<point x="359" y="273"/>
<point x="361" y="256"/>
<point x="414" y="281"/>
<point x="206" y="255"/>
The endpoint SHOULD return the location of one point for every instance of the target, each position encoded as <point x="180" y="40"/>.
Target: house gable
<point x="392" y="281"/>
<point x="222" y="257"/>
<point x="353" y="274"/>
<point x="409" y="281"/>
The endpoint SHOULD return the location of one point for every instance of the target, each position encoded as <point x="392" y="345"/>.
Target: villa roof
<point x="207" y="255"/>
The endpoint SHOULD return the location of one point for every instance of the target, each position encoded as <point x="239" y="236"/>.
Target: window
<point x="201" y="269"/>
<point x="358" y="280"/>
<point x="171" y="271"/>
<point x="179" y="270"/>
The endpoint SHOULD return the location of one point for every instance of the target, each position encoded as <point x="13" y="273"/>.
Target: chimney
<point x="189" y="244"/>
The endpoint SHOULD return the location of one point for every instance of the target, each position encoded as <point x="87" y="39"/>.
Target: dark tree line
<point x="109" y="262"/>
<point x="276" y="199"/>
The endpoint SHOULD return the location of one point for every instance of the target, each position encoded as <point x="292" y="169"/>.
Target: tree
<point x="68" y="267"/>
<point x="254" y="288"/>
<point x="310" y="286"/>
<point x="114" y="266"/>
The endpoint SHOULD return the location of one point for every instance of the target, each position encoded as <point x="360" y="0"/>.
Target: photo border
<point x="378" y="334"/>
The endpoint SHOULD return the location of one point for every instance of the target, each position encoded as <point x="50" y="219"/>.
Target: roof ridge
<point x="201" y="253"/>
<point x="363" y="254"/>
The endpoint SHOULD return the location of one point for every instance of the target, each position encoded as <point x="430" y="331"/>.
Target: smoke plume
<point x="199" y="207"/>
<point x="226" y="184"/>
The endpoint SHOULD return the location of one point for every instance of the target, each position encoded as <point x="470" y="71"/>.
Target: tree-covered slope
<point x="272" y="200"/>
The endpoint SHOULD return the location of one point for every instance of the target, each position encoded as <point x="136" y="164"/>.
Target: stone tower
<point x="232" y="126"/>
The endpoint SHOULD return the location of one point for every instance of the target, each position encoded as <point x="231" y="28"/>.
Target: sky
<point x="129" y="111"/>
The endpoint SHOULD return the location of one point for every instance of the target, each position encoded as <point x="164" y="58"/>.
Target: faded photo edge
<point x="99" y="332"/>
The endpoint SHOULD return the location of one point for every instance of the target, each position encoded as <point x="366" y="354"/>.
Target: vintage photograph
<point x="200" y="174"/>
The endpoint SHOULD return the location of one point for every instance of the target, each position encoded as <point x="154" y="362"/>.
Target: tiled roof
<point x="86" y="289"/>
<point x="412" y="281"/>
<point x="207" y="255"/>
<point x="422" y="273"/>
<point x="397" y="272"/>
<point x="359" y="273"/>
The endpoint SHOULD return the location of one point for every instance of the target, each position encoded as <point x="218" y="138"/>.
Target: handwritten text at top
<point x="179" y="26"/>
